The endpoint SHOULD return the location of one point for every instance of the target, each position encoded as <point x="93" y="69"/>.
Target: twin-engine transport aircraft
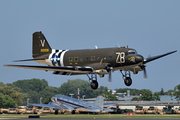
<point x="91" y="62"/>
<point x="67" y="103"/>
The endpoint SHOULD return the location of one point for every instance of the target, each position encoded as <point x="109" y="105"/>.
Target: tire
<point x="128" y="81"/>
<point x="94" y="84"/>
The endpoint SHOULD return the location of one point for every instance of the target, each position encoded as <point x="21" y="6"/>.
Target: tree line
<point x="16" y="94"/>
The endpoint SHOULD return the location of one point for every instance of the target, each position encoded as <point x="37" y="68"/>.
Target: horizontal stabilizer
<point x="108" y="110"/>
<point x="29" y="60"/>
<point x="72" y="69"/>
<point x="109" y="104"/>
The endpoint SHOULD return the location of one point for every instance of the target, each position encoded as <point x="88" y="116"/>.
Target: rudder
<point x="99" y="102"/>
<point x="41" y="48"/>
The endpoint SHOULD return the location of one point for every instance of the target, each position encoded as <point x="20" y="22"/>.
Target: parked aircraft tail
<point x="99" y="102"/>
<point x="41" y="48"/>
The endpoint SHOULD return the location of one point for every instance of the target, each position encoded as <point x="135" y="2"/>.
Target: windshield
<point x="130" y="52"/>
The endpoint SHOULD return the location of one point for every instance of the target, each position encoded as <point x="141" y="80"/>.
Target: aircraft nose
<point x="139" y="58"/>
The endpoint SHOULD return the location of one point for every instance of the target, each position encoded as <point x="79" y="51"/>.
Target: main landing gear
<point x="127" y="78"/>
<point x="93" y="79"/>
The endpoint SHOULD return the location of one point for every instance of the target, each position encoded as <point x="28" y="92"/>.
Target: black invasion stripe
<point x="66" y="102"/>
<point x="56" y="72"/>
<point x="59" y="58"/>
<point x="64" y="73"/>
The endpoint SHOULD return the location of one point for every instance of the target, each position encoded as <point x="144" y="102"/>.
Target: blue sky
<point x="151" y="27"/>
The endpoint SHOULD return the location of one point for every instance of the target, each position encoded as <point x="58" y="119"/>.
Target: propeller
<point x="109" y="68"/>
<point x="143" y="67"/>
<point x="109" y="78"/>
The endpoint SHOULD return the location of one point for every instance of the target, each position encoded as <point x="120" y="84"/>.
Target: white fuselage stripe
<point x="57" y="55"/>
<point x="62" y="57"/>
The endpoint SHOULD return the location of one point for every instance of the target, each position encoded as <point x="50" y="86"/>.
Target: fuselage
<point x="118" y="58"/>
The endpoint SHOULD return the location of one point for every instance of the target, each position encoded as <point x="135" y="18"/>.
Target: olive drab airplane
<point x="91" y="62"/>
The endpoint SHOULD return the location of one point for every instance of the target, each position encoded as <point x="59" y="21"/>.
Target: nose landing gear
<point x="127" y="78"/>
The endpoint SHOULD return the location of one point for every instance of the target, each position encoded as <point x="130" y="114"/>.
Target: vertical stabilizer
<point x="41" y="48"/>
<point x="99" y="102"/>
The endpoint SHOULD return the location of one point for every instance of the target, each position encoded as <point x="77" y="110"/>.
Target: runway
<point x="92" y="119"/>
<point x="89" y="118"/>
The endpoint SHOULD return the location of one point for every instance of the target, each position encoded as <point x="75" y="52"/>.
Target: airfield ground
<point x="88" y="116"/>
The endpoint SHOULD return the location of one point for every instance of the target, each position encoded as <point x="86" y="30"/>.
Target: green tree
<point x="109" y="96"/>
<point x="14" y="93"/>
<point x="71" y="86"/>
<point x="133" y="92"/>
<point x="169" y="92"/>
<point x="31" y="84"/>
<point x="162" y="91"/>
<point x="6" y="101"/>
<point x="34" y="89"/>
<point x="136" y="99"/>
<point x="48" y="91"/>
<point x="177" y="92"/>
<point x="146" y="95"/>
<point x="2" y="84"/>
<point x="156" y="96"/>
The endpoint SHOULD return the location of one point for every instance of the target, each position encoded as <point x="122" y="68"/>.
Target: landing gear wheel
<point x="94" y="84"/>
<point x="128" y="81"/>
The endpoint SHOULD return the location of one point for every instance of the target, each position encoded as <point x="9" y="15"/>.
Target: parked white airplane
<point x="67" y="103"/>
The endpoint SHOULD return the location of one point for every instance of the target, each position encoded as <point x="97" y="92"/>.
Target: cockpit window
<point x="132" y="52"/>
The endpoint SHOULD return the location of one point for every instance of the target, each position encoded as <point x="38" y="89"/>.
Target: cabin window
<point x="110" y="57"/>
<point x="75" y="59"/>
<point x="104" y="58"/>
<point x="92" y="58"/>
<point x="81" y="59"/>
<point x="87" y="58"/>
<point x="70" y="59"/>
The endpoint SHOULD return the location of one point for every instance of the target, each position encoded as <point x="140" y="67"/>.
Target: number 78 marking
<point x="121" y="57"/>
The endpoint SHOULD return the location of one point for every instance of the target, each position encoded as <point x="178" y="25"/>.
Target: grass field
<point x="88" y="116"/>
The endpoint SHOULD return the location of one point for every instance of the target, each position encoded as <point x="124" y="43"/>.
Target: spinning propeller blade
<point x="145" y="74"/>
<point x="109" y="79"/>
<point x="143" y="67"/>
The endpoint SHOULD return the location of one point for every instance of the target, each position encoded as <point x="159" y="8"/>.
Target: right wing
<point x="45" y="105"/>
<point x="55" y="106"/>
<point x="149" y="59"/>
<point x="69" y="69"/>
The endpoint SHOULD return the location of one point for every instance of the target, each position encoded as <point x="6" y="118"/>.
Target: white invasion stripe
<point x="62" y="57"/>
<point x="57" y="55"/>
<point x="50" y="56"/>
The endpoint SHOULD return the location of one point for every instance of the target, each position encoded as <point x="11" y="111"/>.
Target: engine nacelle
<point x="101" y="72"/>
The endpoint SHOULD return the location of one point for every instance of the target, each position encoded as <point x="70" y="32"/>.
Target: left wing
<point x="45" y="105"/>
<point x="53" y="105"/>
<point x="69" y="69"/>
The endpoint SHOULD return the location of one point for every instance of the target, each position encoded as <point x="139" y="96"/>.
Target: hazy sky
<point x="152" y="27"/>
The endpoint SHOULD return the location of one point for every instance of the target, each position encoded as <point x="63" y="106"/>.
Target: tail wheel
<point x="94" y="84"/>
<point x="56" y="112"/>
<point x="128" y="81"/>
